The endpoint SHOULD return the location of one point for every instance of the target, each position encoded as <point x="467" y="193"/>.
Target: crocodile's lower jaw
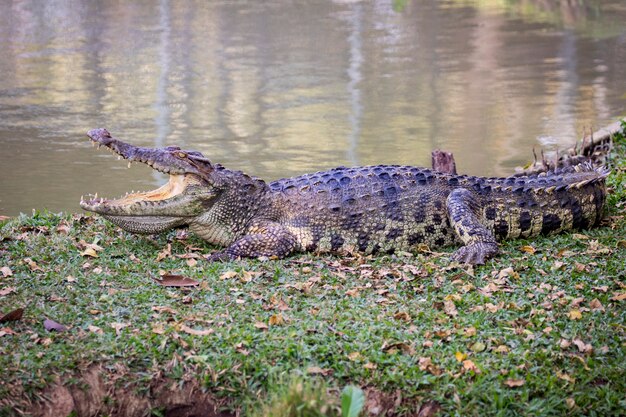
<point x="145" y="224"/>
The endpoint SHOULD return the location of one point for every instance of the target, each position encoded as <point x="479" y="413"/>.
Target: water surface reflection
<point x="281" y="88"/>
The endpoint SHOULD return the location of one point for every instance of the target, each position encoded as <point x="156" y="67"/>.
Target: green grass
<point x="382" y="323"/>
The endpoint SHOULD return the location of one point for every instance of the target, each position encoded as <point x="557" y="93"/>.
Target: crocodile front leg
<point x="263" y="240"/>
<point x="463" y="212"/>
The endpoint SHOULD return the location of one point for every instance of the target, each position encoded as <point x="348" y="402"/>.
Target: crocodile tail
<point x="585" y="184"/>
<point x="571" y="197"/>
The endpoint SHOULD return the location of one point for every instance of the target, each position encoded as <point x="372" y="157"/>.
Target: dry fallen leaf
<point x="565" y="377"/>
<point x="276" y="320"/>
<point x="460" y="356"/>
<point x="449" y="308"/>
<point x="6" y="271"/>
<point x="570" y="402"/>
<point x="557" y="265"/>
<point x="402" y="315"/>
<point x="468" y="365"/>
<point x="239" y="347"/>
<point x="564" y="343"/>
<point x="89" y="252"/>
<point x="228" y="275"/>
<point x="316" y="370"/>
<point x="119" y="326"/>
<point x="580" y="267"/>
<point x="393" y="348"/>
<point x="261" y="326"/>
<point x="582" y="346"/>
<point x="195" y="332"/>
<point x="168" y="280"/>
<point x="247" y="276"/>
<point x="6" y="330"/>
<point x="371" y="366"/>
<point x="478" y="347"/>
<point x="45" y="341"/>
<point x="6" y="291"/>
<point x="577" y="301"/>
<point x="453" y="297"/>
<point x="501" y="349"/>
<point x="618" y="297"/>
<point x="352" y="292"/>
<point x="14" y="315"/>
<point x="32" y="265"/>
<point x="514" y="382"/>
<point x="426" y="364"/>
<point x="51" y="325"/>
<point x="95" y="329"/>
<point x="63" y="228"/>
<point x="575" y="315"/>
<point x="508" y="272"/>
<point x="596" y="305"/>
<point x="443" y="333"/>
<point x="469" y="331"/>
<point x="167" y="251"/>
<point x="492" y="308"/>
<point x="594" y="247"/>
<point x="528" y="249"/>
<point x="354" y="356"/>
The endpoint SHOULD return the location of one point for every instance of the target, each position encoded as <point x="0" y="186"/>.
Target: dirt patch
<point x="385" y="404"/>
<point x="95" y="394"/>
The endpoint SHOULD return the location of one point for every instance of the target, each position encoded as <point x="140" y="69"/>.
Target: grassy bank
<point x="540" y="330"/>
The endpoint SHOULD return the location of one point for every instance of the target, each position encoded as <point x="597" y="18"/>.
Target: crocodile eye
<point x="182" y="155"/>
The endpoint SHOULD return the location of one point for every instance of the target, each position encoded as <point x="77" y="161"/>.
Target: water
<point x="282" y="88"/>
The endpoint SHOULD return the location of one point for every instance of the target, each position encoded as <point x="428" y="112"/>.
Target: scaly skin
<point x="368" y="209"/>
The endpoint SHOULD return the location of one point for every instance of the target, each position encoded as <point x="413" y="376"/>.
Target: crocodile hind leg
<point x="263" y="240"/>
<point x="463" y="212"/>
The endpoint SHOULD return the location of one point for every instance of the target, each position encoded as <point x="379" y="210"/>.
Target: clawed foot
<point x="475" y="254"/>
<point x="221" y="256"/>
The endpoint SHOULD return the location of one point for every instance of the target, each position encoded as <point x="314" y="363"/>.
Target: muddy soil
<point x="95" y="396"/>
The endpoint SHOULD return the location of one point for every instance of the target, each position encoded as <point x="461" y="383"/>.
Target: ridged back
<point x="391" y="206"/>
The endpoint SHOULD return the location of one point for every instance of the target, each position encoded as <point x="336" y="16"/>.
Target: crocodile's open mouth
<point x="176" y="185"/>
<point x="170" y="160"/>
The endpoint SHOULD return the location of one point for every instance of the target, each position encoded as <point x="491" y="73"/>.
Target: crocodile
<point x="368" y="209"/>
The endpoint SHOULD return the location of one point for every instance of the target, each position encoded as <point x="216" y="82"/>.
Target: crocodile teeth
<point x="129" y="164"/>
